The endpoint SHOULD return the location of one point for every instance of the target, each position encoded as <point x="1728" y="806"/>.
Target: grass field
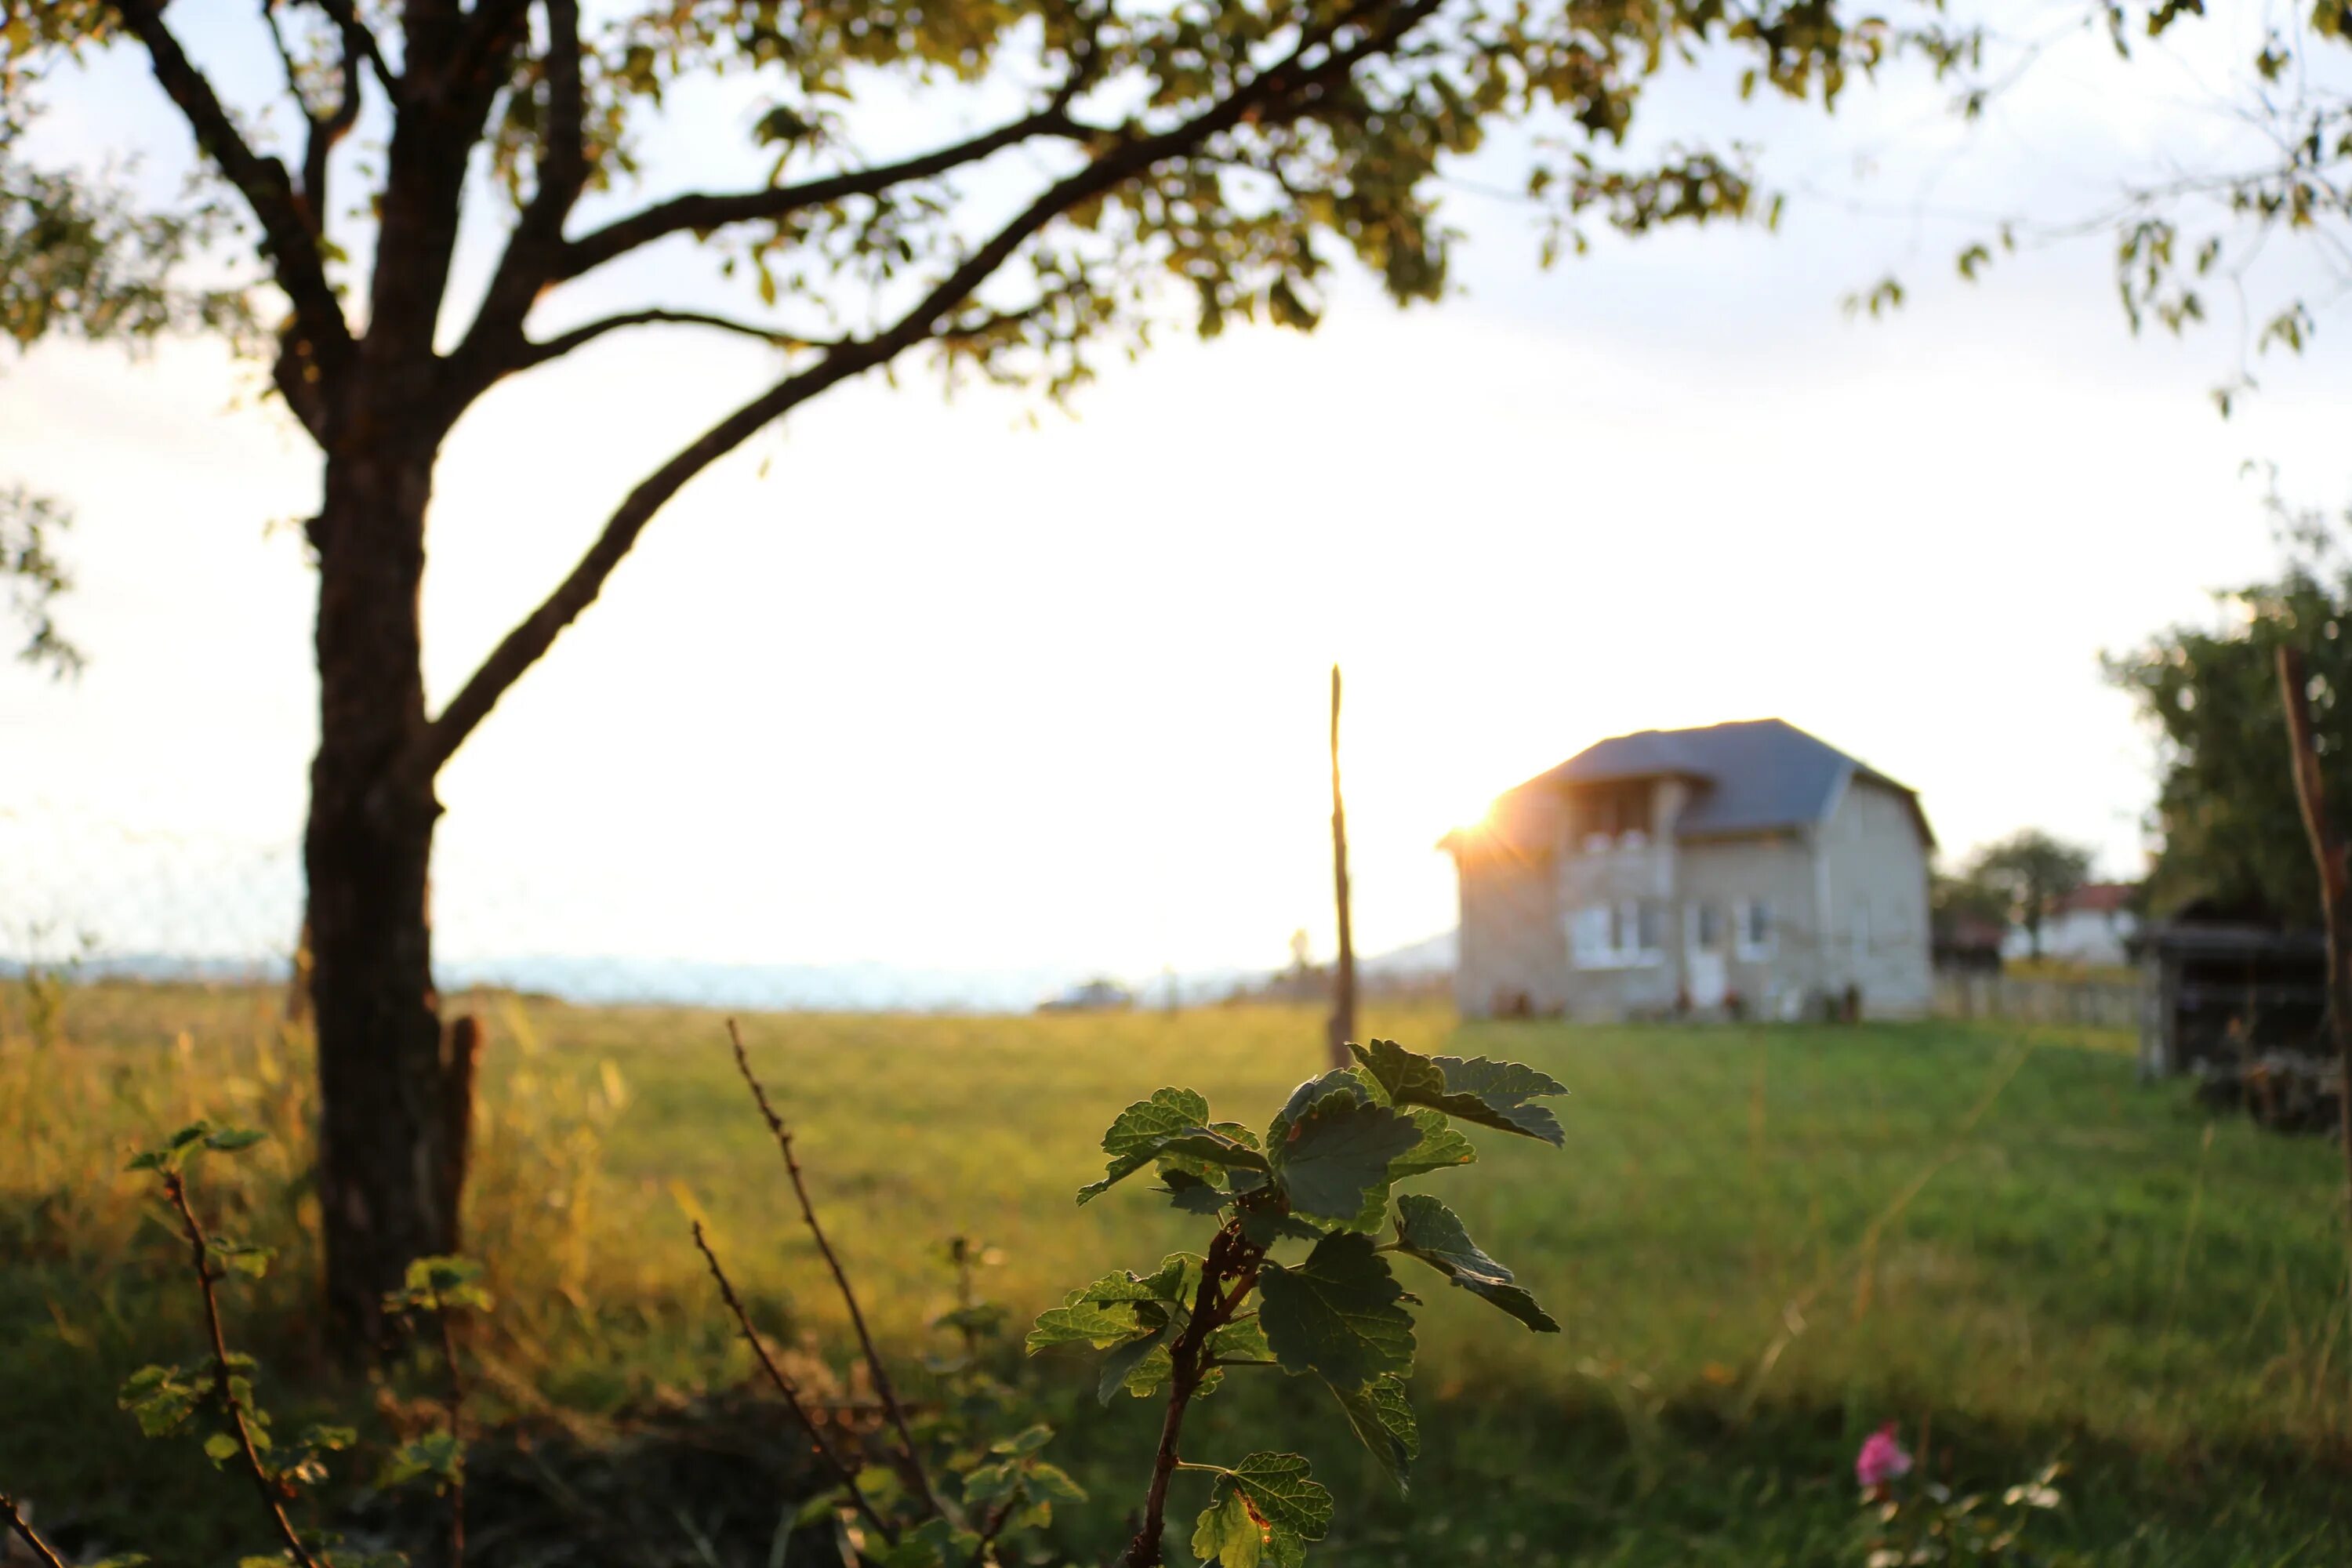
<point x="1762" y="1243"/>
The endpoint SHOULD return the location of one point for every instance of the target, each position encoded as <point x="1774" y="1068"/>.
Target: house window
<point x="1617" y="935"/>
<point x="1592" y="938"/>
<point x="1611" y="811"/>
<point x="1754" y="923"/>
<point x="1650" y="929"/>
<point x="1707" y="927"/>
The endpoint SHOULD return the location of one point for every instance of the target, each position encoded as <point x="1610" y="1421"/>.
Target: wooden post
<point x="2335" y="892"/>
<point x="1343" y="972"/>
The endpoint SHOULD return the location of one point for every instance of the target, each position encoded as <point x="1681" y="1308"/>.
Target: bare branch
<point x="360" y="40"/>
<point x="784" y="1386"/>
<point x="42" y="1553"/>
<point x="261" y="181"/>
<point x="224" y="1390"/>
<point x="564" y="343"/>
<point x="701" y="213"/>
<point x="494" y="345"/>
<point x="1281" y="91"/>
<point x="874" y="1362"/>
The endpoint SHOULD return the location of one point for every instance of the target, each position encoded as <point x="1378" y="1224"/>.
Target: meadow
<point x="1762" y="1243"/>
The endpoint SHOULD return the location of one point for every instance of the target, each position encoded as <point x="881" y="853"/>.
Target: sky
<point x="913" y="680"/>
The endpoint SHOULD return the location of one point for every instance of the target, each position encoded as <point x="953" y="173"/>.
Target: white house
<point x="2092" y="925"/>
<point x="1747" y="867"/>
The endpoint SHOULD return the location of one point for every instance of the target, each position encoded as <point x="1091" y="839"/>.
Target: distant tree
<point x="2032" y="873"/>
<point x="1967" y="898"/>
<point x="33" y="577"/>
<point x="1167" y="165"/>
<point x="2225" y="803"/>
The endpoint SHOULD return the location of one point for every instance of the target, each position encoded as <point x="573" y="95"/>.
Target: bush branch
<point x="457" y="1431"/>
<point x="1229" y="1257"/>
<point x="840" y="1277"/>
<point x="784" y="1386"/>
<point x="224" y="1388"/>
<point x="40" y="1548"/>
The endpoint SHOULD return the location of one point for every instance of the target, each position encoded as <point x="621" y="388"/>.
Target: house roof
<point x="1756" y="776"/>
<point x="2098" y="898"/>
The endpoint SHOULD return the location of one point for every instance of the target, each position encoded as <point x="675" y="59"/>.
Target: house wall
<point x="1773" y="981"/>
<point x="2078" y="936"/>
<point x="1514" y="954"/>
<point x="1874" y="868"/>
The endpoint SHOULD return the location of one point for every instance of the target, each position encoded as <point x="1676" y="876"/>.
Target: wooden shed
<point x="2222" y="991"/>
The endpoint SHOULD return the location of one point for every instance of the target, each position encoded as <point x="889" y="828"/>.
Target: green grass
<point x="1761" y="1243"/>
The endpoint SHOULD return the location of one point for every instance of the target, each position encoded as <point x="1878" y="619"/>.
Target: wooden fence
<point x="2096" y="1004"/>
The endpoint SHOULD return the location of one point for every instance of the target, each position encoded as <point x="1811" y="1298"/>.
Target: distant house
<point x="2094" y="924"/>
<point x="1743" y="867"/>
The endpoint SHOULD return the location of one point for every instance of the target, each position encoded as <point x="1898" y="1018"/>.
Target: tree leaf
<point x="1490" y="1093"/>
<point x="1174" y="1123"/>
<point x="1125" y="1358"/>
<point x="1227" y="1533"/>
<point x="1495" y="1094"/>
<point x="1338" y="1151"/>
<point x="1243" y="1340"/>
<point x="1279" y="1488"/>
<point x="221" y="1447"/>
<point x="1442" y="1147"/>
<point x="1337" y="1313"/>
<point x="1081" y="1321"/>
<point x="1434" y="1234"/>
<point x="1195" y="1194"/>
<point x="1342" y="1080"/>
<point x="1382" y="1418"/>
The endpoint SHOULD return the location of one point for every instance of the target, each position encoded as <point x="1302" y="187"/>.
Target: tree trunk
<point x="1343" y="1025"/>
<point x="391" y="1118"/>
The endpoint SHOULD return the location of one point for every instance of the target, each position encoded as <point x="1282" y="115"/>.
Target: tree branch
<point x="784" y="1386"/>
<point x="494" y="345"/>
<point x="700" y="213"/>
<point x="41" y="1550"/>
<point x="176" y="1189"/>
<point x="874" y="1363"/>
<point x="522" y="647"/>
<point x="359" y="39"/>
<point x="539" y="353"/>
<point x="264" y="183"/>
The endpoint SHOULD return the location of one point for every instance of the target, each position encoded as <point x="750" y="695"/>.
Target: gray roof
<point x="1757" y="776"/>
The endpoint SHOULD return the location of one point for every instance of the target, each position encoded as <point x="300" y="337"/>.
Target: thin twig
<point x="1230" y="1257"/>
<point x="456" y="1432"/>
<point x="996" y="1524"/>
<point x="784" y="1386"/>
<point x="25" y="1531"/>
<point x="840" y="1277"/>
<point x="222" y="1388"/>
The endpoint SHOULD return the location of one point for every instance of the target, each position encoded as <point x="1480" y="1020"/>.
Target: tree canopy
<point x="2233" y="832"/>
<point x="2032" y="873"/>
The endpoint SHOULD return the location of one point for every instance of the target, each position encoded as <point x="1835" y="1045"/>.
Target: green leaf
<point x="1194" y="1195"/>
<point x="1382" y="1418"/>
<point x="1442" y="1147"/>
<point x="1338" y="1151"/>
<point x="1338" y="1080"/>
<point x="1278" y="1488"/>
<point x="1126" y="1358"/>
<point x="1337" y="1313"/>
<point x="1433" y="1233"/>
<point x="221" y="1447"/>
<point x="1490" y="1093"/>
<point x="1079" y="1321"/>
<point x="229" y="1139"/>
<point x="1495" y="1094"/>
<point x="1243" y="1340"/>
<point x="1051" y="1483"/>
<point x="1227" y="1533"/>
<point x="1135" y="1138"/>
<point x="1028" y="1440"/>
<point x="1262" y="1227"/>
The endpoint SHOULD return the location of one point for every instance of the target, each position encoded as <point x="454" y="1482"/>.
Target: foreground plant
<point x="1321" y="1180"/>
<point x="1910" y="1521"/>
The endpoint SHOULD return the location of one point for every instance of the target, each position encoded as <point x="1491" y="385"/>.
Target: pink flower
<point x="1881" y="1460"/>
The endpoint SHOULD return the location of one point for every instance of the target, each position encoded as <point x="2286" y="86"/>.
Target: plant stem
<point x="456" y="1432"/>
<point x="882" y="1385"/>
<point x="1230" y="1257"/>
<point x="177" y="1191"/>
<point x="784" y="1385"/>
<point x="25" y="1531"/>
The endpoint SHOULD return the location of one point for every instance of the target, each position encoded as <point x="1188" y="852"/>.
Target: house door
<point x="1703" y="973"/>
